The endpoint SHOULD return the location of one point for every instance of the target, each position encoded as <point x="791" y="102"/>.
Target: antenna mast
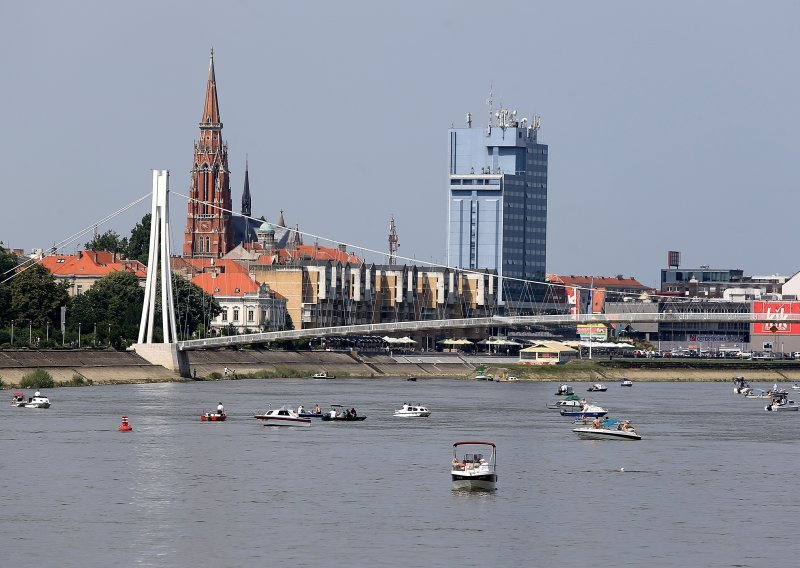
<point x="394" y="243"/>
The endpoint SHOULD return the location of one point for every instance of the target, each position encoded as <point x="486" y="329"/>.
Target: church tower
<point x="209" y="230"/>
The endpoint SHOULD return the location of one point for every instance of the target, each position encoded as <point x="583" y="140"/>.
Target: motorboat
<point x="740" y="385"/>
<point x="623" y="382"/>
<point x="481" y="376"/>
<point x="597" y="387"/>
<point x="796" y="386"/>
<point x="610" y="429"/>
<point x="283" y="417"/>
<point x="216" y="416"/>
<point x="413" y="411"/>
<point x="758" y="393"/>
<point x="781" y="403"/>
<point x="323" y="375"/>
<point x="590" y="410"/>
<point x="564" y="390"/>
<point x="338" y="413"/>
<point x="471" y="471"/>
<point x="568" y="402"/>
<point x="412" y="379"/>
<point x="35" y="401"/>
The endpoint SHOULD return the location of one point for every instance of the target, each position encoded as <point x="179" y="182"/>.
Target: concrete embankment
<point x="104" y="367"/>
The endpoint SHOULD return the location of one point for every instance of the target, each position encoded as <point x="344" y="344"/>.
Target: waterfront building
<point x="497" y="211"/>
<point x="247" y="306"/>
<point x="587" y="294"/>
<point x="82" y="269"/>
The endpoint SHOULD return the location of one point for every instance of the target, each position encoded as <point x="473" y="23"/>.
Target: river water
<point x="712" y="482"/>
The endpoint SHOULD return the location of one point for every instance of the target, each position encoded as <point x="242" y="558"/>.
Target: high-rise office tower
<point x="497" y="213"/>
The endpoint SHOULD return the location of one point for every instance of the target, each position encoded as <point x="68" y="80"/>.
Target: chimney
<point x="342" y="248"/>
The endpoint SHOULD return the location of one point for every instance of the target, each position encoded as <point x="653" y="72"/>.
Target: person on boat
<point x="353" y="413"/>
<point x="37" y="393"/>
<point x="300" y="409"/>
<point x="596" y="422"/>
<point x="317" y="409"/>
<point x="220" y="409"/>
<point x="628" y="427"/>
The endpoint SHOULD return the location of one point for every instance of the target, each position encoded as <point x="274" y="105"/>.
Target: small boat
<point x="781" y="403"/>
<point x="611" y="429"/>
<point x="740" y="385"/>
<point x="758" y="393"/>
<point x="796" y="386"/>
<point x="35" y="401"/>
<point x="511" y="379"/>
<point x="590" y="410"/>
<point x="481" y="376"/>
<point x="568" y="402"/>
<point x="411" y="379"/>
<point x="413" y="411"/>
<point x="323" y="375"/>
<point x="564" y="390"/>
<point x="597" y="387"/>
<point x="623" y="382"/>
<point x="213" y="417"/>
<point x="339" y="414"/>
<point x="282" y="417"/>
<point x="471" y="471"/>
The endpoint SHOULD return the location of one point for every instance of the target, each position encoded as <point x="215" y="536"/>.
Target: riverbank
<point x="108" y="367"/>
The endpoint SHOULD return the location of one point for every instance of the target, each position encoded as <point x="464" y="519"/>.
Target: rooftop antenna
<point x="394" y="243"/>
<point x="490" y="102"/>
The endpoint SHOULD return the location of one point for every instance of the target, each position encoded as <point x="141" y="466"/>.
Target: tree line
<point x="107" y="314"/>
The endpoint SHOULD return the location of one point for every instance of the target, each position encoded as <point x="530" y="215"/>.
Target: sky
<point x="669" y="124"/>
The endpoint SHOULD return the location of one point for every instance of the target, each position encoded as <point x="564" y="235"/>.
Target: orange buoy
<point x="125" y="427"/>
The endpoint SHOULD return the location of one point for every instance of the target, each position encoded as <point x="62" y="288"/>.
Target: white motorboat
<point x="740" y="385"/>
<point x="36" y="401"/>
<point x="413" y="411"/>
<point x="564" y="390"/>
<point x="623" y="382"/>
<point x="472" y="471"/>
<point x="597" y="387"/>
<point x="781" y="403"/>
<point x="758" y="393"/>
<point x="571" y="401"/>
<point x="283" y="417"/>
<point x="589" y="410"/>
<point x="796" y="386"/>
<point x="323" y="375"/>
<point x="481" y="376"/>
<point x="612" y="429"/>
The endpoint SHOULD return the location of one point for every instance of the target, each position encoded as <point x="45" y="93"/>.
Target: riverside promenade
<point x="107" y="367"/>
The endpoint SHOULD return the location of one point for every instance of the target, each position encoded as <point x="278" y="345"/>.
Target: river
<point x="712" y="482"/>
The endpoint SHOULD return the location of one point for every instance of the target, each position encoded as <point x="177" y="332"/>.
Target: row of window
<point x="251" y="315"/>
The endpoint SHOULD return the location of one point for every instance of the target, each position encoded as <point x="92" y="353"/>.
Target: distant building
<point x="497" y="213"/>
<point x="83" y="269"/>
<point x="588" y="294"/>
<point x="247" y="306"/>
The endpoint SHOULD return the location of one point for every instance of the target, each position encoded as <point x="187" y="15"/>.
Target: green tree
<point x="8" y="261"/>
<point x="114" y="303"/>
<point x="37" y="297"/>
<point x="139" y="243"/>
<point x="109" y="241"/>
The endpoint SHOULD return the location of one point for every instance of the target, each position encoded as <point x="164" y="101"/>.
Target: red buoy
<point x="125" y="427"/>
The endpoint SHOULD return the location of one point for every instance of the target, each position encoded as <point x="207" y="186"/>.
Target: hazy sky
<point x="669" y="124"/>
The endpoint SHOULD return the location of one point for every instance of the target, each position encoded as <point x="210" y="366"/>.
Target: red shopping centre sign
<point x="777" y="313"/>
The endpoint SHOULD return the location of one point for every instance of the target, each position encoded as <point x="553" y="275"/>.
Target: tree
<point x="139" y="243"/>
<point x="8" y="261"/>
<point x="37" y="297"/>
<point x="109" y="241"/>
<point x="114" y="303"/>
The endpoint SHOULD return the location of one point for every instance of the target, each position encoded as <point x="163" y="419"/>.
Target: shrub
<point x="79" y="380"/>
<point x="215" y="376"/>
<point x="37" y="379"/>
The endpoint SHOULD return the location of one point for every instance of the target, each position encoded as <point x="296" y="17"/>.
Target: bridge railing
<point x="495" y="321"/>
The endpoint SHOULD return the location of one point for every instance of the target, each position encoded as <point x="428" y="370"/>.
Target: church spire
<point x="246" y="204"/>
<point x="211" y="107"/>
<point x="281" y="221"/>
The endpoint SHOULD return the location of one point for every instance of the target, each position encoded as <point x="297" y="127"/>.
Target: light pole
<point x="47" y="331"/>
<point x="30" y="332"/>
<point x="79" y="335"/>
<point x="94" y="336"/>
<point x="12" y="332"/>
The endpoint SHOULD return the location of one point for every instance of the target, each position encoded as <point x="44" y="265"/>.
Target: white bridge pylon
<point x="159" y="255"/>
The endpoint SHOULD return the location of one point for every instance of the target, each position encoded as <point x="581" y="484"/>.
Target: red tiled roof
<point x="226" y="283"/>
<point x="596" y="281"/>
<point x="91" y="263"/>
<point x="222" y="264"/>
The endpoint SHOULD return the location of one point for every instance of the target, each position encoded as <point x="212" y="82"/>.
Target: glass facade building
<point x="497" y="213"/>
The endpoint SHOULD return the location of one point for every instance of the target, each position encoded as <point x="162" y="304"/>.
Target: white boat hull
<point x="781" y="407"/>
<point x="412" y="414"/>
<point x="590" y="433"/>
<point x="486" y="482"/>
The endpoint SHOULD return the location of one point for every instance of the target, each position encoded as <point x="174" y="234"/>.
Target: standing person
<point x="596" y="422"/>
<point x="300" y="410"/>
<point x="220" y="409"/>
<point x="317" y="409"/>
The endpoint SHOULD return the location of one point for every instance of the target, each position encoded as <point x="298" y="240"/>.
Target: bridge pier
<point x="165" y="354"/>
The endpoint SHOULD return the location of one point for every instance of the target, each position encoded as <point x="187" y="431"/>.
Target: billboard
<point x="593" y="331"/>
<point x="776" y="323"/>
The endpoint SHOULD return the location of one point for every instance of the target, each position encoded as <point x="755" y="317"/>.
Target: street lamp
<point x="30" y="332"/>
<point x="94" y="336"/>
<point x="79" y="335"/>
<point x="12" y="332"/>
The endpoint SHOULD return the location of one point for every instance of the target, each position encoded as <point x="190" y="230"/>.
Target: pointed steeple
<point x="246" y="204"/>
<point x="211" y="107"/>
<point x="281" y="222"/>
